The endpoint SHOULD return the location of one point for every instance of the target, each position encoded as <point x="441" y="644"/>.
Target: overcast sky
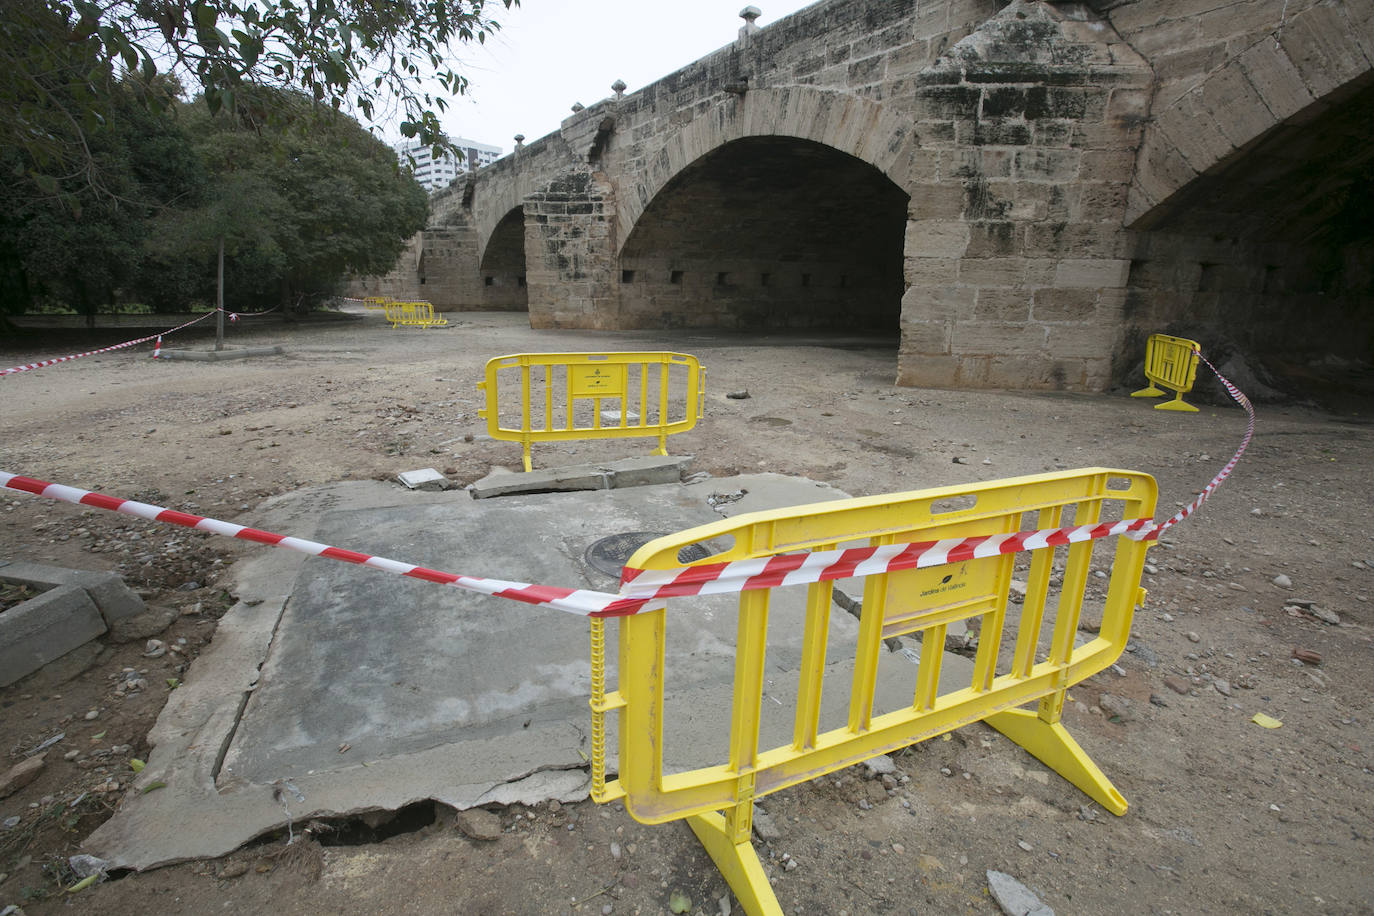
<point x="552" y="53"/>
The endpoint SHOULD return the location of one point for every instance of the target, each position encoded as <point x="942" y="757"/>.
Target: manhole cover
<point x="609" y="554"/>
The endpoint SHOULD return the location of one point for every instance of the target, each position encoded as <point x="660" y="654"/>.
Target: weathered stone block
<point x="1323" y="48"/>
<point x="1275" y="78"/>
<point x="937" y="303"/>
<point x="994" y="338"/>
<point x="1047" y="164"/>
<point x="931" y="271"/>
<point x="925" y="337"/>
<point x="1083" y="342"/>
<point x="1064" y="304"/>
<point x="916" y="370"/>
<point x="1003" y="305"/>
<point x="983" y="272"/>
<point x="935" y="238"/>
<point x="993" y="239"/>
<point x="1239" y="111"/>
<point x="1095" y="273"/>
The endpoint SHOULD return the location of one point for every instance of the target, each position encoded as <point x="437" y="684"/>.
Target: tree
<point x="296" y="209"/>
<point x="60" y="61"/>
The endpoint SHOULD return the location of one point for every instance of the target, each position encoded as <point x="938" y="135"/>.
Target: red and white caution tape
<point x="577" y="601"/>
<point x="128" y="343"/>
<point x="641" y="587"/>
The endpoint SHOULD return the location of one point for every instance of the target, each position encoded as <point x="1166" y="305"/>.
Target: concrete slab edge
<point x="220" y="355"/>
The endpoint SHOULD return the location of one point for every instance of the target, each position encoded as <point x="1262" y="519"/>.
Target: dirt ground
<point x="1225" y="815"/>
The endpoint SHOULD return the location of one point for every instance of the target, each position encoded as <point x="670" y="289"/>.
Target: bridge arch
<point x="852" y="125"/>
<point x="502" y="267"/>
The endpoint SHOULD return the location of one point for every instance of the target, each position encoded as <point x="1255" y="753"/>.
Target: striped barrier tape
<point x="642" y="587"/>
<point x="128" y="343"/>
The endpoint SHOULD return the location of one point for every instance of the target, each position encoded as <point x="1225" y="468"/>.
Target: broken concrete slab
<point x="362" y="691"/>
<point x="626" y="472"/>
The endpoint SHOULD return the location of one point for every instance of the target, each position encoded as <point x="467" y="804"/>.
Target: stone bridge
<point x="1020" y="191"/>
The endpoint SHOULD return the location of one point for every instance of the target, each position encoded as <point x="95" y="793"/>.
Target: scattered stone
<point x="1282" y="581"/>
<point x="1192" y="636"/>
<point x="959" y="459"/>
<point x="899" y="849"/>
<point x="1325" y="616"/>
<point x="10" y="823"/>
<point x="880" y="766"/>
<point x="616" y="852"/>
<point x="1222" y="686"/>
<point x="155" y="648"/>
<point x="1307" y="656"/>
<point x="1157" y="700"/>
<point x="1015" y="898"/>
<point x="234" y="870"/>
<point x="741" y="395"/>
<point x="144" y="625"/>
<point x="723" y="904"/>
<point x="21" y="774"/>
<point x="92" y="715"/>
<point x="1177" y="686"/>
<point x="1115" y="707"/>
<point x="478" y="823"/>
<point x="764" y="826"/>
<point x="1027" y="847"/>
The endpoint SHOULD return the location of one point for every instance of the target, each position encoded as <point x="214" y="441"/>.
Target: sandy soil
<point x="1225" y="816"/>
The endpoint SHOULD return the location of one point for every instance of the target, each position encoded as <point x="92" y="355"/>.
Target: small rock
<point x="234" y="870"/>
<point x="1192" y="636"/>
<point x="723" y="904"/>
<point x="959" y="459"/>
<point x="615" y="850"/>
<point x="1307" y="656"/>
<point x="898" y="848"/>
<point x="92" y="715"/>
<point x="1222" y="686"/>
<point x="155" y="648"/>
<point x="1024" y="845"/>
<point x="764" y="826"/>
<point x="21" y="774"/>
<point x="1325" y="616"/>
<point x="1015" y="898"/>
<point x="1282" y="581"/>
<point x="478" y="823"/>
<point x="880" y="766"/>
<point x="85" y="865"/>
<point x="740" y="395"/>
<point x="1177" y="686"/>
<point x="10" y="823"/>
<point x="1115" y="707"/>
<point x="1157" y="700"/>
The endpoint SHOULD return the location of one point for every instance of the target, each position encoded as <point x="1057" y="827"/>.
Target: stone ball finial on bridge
<point x="577" y="106"/>
<point x="618" y="87"/>
<point x="519" y="141"/>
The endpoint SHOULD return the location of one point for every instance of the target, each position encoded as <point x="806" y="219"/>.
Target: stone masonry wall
<point x="1016" y="259"/>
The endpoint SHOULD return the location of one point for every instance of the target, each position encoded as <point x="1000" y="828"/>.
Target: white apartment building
<point x="437" y="174"/>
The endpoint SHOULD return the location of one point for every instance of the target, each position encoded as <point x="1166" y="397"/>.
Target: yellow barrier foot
<point x="1177" y="404"/>
<point x="1053" y="746"/>
<point x="738" y="863"/>
<point x="1151" y="392"/>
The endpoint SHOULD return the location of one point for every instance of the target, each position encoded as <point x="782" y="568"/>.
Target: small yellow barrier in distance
<point x="376" y="302"/>
<point x="1171" y="362"/>
<point x="413" y="314"/>
<point x="1026" y="653"/>
<point x="548" y="397"/>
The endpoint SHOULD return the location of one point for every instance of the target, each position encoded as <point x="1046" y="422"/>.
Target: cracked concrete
<point x="368" y="691"/>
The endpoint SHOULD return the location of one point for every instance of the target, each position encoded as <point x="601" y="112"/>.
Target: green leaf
<point x="154" y="786"/>
<point x="679" y="902"/>
<point x="136" y="765"/>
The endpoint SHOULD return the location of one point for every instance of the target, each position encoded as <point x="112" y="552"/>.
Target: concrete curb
<point x="614" y="475"/>
<point x="77" y="606"/>
<point x="219" y="355"/>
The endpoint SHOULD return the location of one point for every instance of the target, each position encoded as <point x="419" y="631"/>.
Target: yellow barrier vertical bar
<point x="1076" y="570"/>
<point x="866" y="651"/>
<point x="644" y="395"/>
<point x="809" y="682"/>
<point x="1037" y="594"/>
<point x="928" y="670"/>
<point x="568" y="396"/>
<point x="662" y="408"/>
<point x="751" y="643"/>
<point x="548" y="397"/>
<point x="526" y="440"/>
<point x="990" y="628"/>
<point x="641" y="657"/>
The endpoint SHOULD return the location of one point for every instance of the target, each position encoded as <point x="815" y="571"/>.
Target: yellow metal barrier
<point x="1171" y="362"/>
<point x="1015" y="663"/>
<point x="413" y="314"/>
<point x="591" y="396"/>
<point x="376" y="302"/>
